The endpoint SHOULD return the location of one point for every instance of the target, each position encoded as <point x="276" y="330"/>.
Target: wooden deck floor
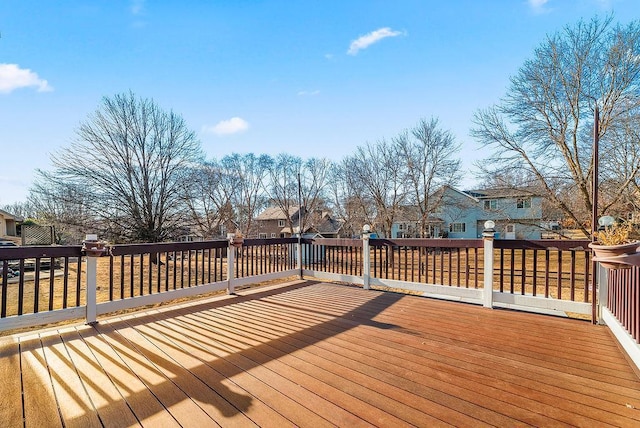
<point x="313" y="354"/>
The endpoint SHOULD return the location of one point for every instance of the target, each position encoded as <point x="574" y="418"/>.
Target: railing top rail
<point x="161" y="247"/>
<point x="543" y="244"/>
<point x="429" y="243"/>
<point x="269" y="241"/>
<point x="15" y="253"/>
<point x="335" y="242"/>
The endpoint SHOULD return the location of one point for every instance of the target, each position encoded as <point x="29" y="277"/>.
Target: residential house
<point x="273" y="222"/>
<point x="8" y="227"/>
<point x="407" y="224"/>
<point x="516" y="213"/>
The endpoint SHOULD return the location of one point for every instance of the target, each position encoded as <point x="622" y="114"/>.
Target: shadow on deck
<point x="315" y="354"/>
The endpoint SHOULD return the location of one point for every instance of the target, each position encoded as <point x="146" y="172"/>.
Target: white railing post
<point x="92" y="277"/>
<point x="488" y="236"/>
<point x="231" y="253"/>
<point x="602" y="283"/>
<point x="366" y="261"/>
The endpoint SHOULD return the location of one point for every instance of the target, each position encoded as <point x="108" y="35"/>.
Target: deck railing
<point x="42" y="278"/>
<point x="551" y="275"/>
<point x="623" y="299"/>
<point x="546" y="274"/>
<point x="41" y="285"/>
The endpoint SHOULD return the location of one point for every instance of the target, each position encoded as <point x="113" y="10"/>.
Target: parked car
<point x="7" y="244"/>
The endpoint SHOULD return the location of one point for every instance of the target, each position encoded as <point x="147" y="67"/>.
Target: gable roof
<point x="276" y="213"/>
<point x="505" y="192"/>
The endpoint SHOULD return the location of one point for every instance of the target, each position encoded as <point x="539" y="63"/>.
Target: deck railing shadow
<point x="199" y="350"/>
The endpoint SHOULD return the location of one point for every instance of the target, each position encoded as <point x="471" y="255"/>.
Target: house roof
<point x="10" y="216"/>
<point x="325" y="226"/>
<point x="506" y="192"/>
<point x="328" y="225"/>
<point x="276" y="213"/>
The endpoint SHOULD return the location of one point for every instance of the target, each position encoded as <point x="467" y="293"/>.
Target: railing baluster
<point x="559" y="296"/>
<point x="36" y="286"/>
<point x="535" y="272"/>
<point x="546" y="272"/>
<point x="572" y="276"/>
<point x="5" y="287"/>
<point x="21" y="287"/>
<point x="523" y="271"/>
<point x="65" y="282"/>
<point x="52" y="278"/>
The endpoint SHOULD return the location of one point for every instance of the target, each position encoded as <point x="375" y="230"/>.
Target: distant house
<point x="8" y="229"/>
<point x="516" y="213"/>
<point x="273" y="222"/>
<point x="407" y="224"/>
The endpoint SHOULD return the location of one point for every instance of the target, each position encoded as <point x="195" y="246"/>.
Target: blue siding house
<point x="461" y="214"/>
<point x="517" y="213"/>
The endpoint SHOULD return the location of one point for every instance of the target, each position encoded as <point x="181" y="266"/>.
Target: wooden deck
<point x="313" y="354"/>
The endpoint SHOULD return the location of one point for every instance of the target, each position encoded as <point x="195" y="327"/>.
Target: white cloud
<point x="226" y="127"/>
<point x="367" y="40"/>
<point x="308" y="93"/>
<point x="538" y="6"/>
<point x="13" y="77"/>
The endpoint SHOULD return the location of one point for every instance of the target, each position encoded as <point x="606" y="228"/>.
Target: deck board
<point x="315" y="354"/>
<point x="40" y="407"/>
<point x="11" y="402"/>
<point x="111" y="409"/>
<point x="144" y="405"/>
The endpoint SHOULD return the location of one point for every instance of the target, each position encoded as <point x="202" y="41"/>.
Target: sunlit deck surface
<point x="314" y="354"/>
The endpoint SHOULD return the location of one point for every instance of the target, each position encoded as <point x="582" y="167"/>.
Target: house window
<point x="523" y="203"/>
<point x="280" y="223"/>
<point x="401" y="226"/>
<point x="273" y="235"/>
<point x="457" y="227"/>
<point x="490" y="204"/>
<point x="262" y="236"/>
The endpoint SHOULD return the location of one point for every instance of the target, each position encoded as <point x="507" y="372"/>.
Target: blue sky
<point x="311" y="78"/>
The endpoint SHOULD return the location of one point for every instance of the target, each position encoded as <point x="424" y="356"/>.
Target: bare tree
<point x="314" y="177"/>
<point x="347" y="205"/>
<point x="429" y="154"/>
<point x="282" y="186"/>
<point x="208" y="200"/>
<point x="297" y="184"/>
<point x="63" y="206"/>
<point x="22" y="209"/>
<point x="543" y="123"/>
<point x="242" y="178"/>
<point x="129" y="161"/>
<point x="376" y="173"/>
